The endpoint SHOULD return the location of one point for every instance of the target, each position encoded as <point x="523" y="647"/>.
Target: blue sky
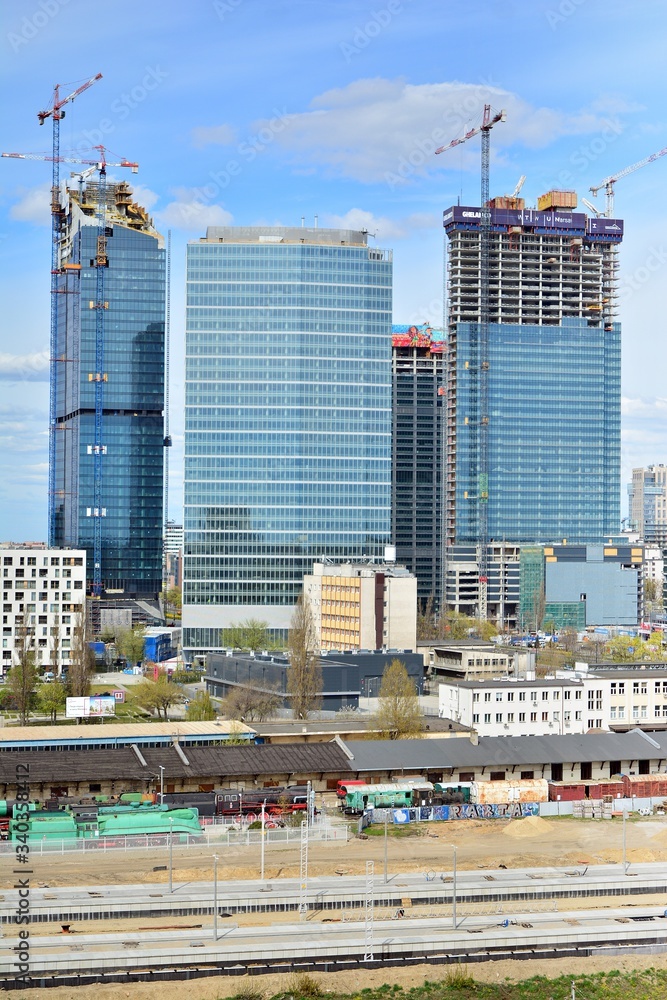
<point x="264" y="111"/>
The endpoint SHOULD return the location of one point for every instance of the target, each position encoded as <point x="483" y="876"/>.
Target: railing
<point x="217" y="836"/>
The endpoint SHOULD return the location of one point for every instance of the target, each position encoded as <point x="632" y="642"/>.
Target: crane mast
<point x="479" y="368"/>
<point x="56" y="113"/>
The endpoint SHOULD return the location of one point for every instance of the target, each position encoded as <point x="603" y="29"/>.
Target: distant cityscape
<point x="480" y="459"/>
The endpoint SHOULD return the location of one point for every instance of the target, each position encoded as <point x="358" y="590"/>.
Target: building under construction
<point x="533" y="422"/>
<point x="108" y="374"/>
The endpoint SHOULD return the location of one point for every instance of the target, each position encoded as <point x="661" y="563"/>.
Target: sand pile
<point x="530" y="826"/>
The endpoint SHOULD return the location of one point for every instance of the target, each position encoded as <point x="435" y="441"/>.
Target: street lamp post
<point x="215" y="897"/>
<point x="385" y="847"/>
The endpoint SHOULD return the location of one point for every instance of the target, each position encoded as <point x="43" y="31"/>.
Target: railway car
<point x="387" y="796"/>
<point x="507" y="792"/>
<point x="447" y="793"/>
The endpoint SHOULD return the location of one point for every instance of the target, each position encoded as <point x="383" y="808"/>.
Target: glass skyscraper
<point x="133" y="390"/>
<point x="553" y="375"/>
<point x="288" y="418"/>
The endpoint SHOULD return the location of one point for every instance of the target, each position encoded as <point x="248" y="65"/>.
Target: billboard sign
<point x="406" y="335"/>
<point x="469" y="215"/>
<point x="93" y="707"/>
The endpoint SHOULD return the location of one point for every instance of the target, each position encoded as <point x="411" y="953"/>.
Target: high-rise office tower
<point x="109" y="379"/>
<point x="417" y="442"/>
<point x="552" y="374"/>
<point x="288" y="418"/>
<point x="648" y="504"/>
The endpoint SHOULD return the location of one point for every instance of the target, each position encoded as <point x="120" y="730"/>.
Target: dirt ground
<point x="479" y="843"/>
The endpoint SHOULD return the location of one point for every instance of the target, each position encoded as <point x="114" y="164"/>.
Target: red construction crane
<point x="608" y="182"/>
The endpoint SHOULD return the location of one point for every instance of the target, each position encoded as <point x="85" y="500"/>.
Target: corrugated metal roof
<point x="502" y="751"/>
<point x="70" y="766"/>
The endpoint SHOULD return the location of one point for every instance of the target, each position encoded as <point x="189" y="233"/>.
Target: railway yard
<point x="546" y="890"/>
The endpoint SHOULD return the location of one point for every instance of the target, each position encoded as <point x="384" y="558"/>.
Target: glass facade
<point x="288" y="418"/>
<point x="418" y="380"/>
<point x="554" y="432"/>
<point x="133" y="435"/>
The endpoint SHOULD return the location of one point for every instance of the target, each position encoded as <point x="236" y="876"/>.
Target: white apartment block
<point x="363" y="606"/>
<point x="560" y="705"/>
<point x="547" y="707"/>
<point x="44" y="592"/>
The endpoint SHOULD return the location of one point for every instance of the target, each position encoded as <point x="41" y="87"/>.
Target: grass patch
<point x="456" y="983"/>
<point x="398" y="830"/>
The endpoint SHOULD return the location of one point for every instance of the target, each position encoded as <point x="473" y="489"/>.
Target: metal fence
<point x="217" y="836"/>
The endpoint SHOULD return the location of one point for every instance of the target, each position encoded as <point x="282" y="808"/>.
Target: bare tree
<point x="82" y="660"/>
<point x="399" y="715"/>
<point x="539" y="607"/>
<point x="304" y="674"/>
<point x="427" y="625"/>
<point x="22" y="678"/>
<point x="251" y="704"/>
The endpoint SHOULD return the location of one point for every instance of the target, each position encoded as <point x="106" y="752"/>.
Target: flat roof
<point x="504" y="682"/>
<point x="111" y="733"/>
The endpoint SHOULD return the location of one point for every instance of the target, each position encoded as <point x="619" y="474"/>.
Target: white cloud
<point x="144" y="196"/>
<point x="193" y="211"/>
<point x="34" y="206"/>
<point x="372" y="127"/>
<point x="28" y="367"/>
<point x="213" y="135"/>
<point x="380" y="226"/>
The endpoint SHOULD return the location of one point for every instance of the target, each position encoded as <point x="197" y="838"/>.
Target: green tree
<point x="157" y="696"/>
<point x="172" y="600"/>
<point x="22" y="678"/>
<point x="399" y="715"/>
<point x="304" y="674"/>
<point x="251" y="634"/>
<point x="51" y="698"/>
<point x="201" y="708"/>
<point x="130" y="643"/>
<point x="454" y="625"/>
<point x="625" y="649"/>
<point x="484" y="629"/>
<point x="82" y="660"/>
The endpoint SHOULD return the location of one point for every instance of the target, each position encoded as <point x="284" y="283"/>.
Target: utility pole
<point x="161" y="768"/>
<point x="368" y="912"/>
<point x="303" y="888"/>
<point x="215" y="897"/>
<point x="171" y="854"/>
<point x="625" y="861"/>
<point x="385" y="847"/>
<point x="261" y="873"/>
<point x="454" y="890"/>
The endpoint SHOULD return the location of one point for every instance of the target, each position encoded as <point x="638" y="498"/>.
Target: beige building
<point x="363" y="606"/>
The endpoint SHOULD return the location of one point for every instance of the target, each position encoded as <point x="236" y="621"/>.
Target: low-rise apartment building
<point x="43" y="601"/>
